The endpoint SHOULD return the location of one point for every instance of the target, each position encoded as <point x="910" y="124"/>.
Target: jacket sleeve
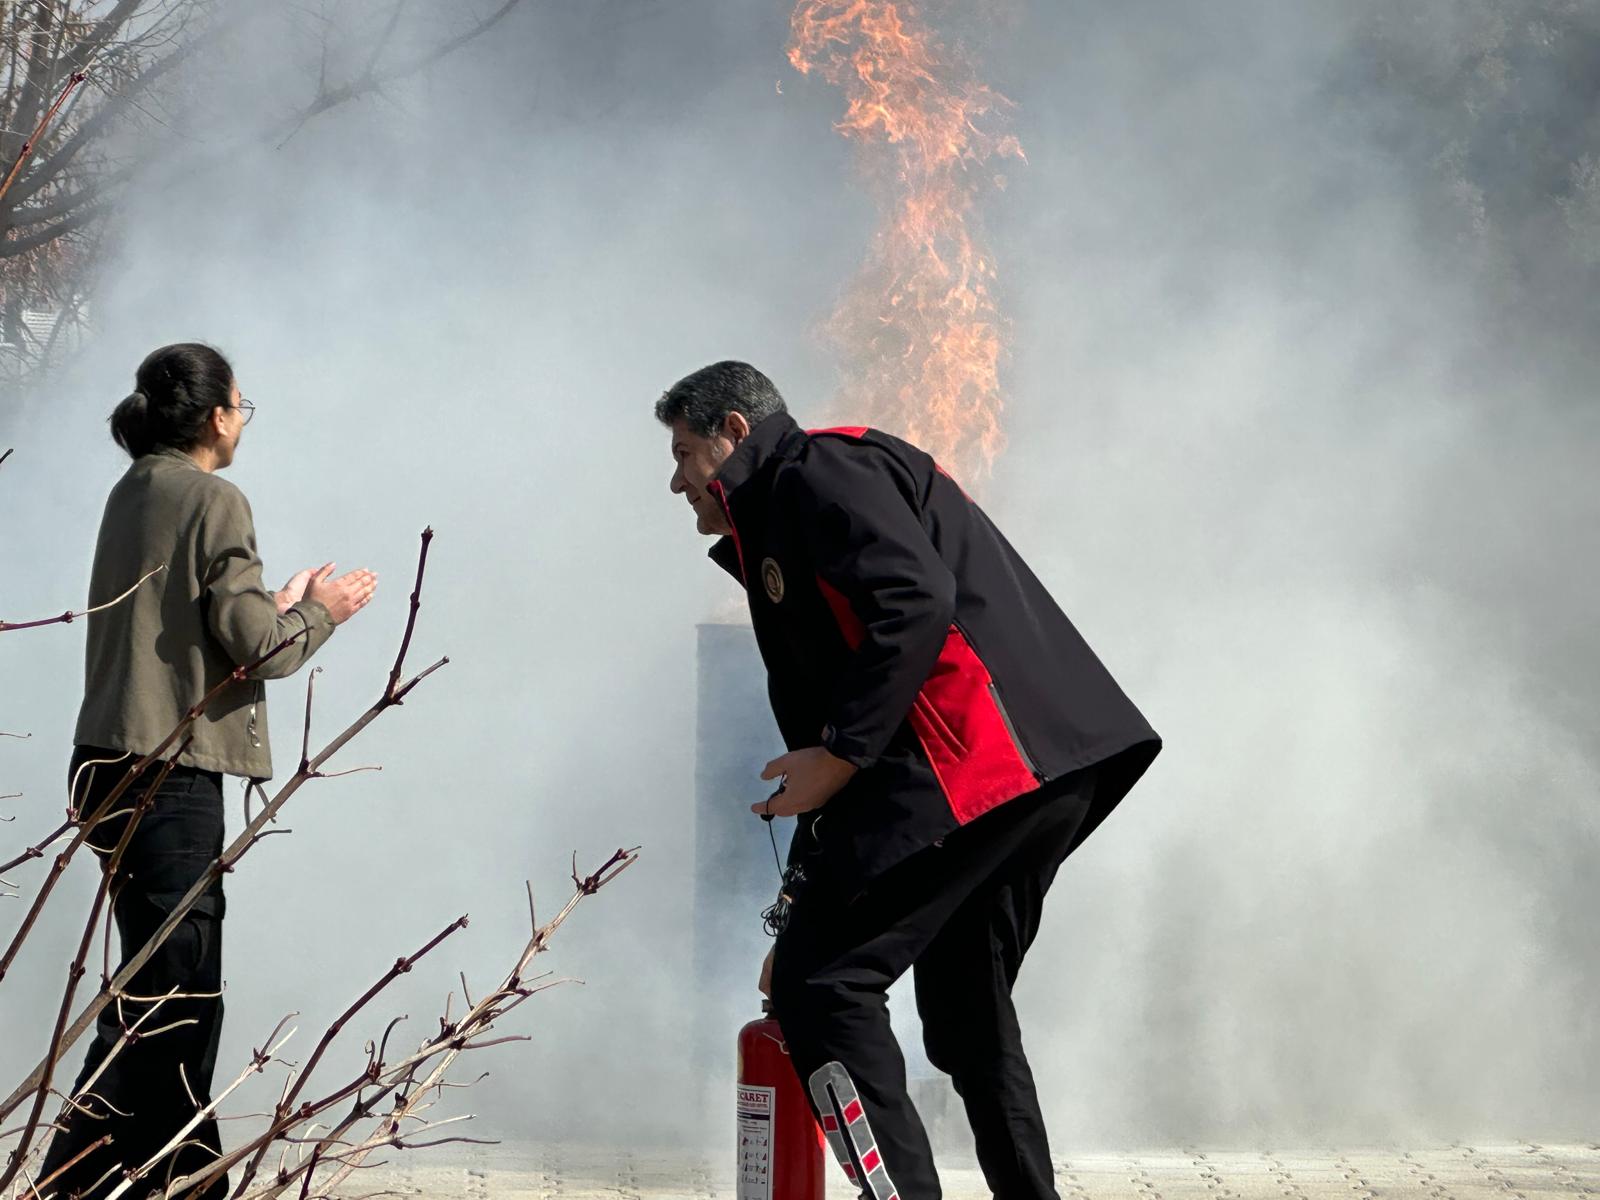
<point x="240" y="612"/>
<point x="868" y="543"/>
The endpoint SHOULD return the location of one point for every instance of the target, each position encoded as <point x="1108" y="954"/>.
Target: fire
<point x="919" y="328"/>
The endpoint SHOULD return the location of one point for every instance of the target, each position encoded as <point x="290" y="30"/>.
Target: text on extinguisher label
<point x="754" y="1178"/>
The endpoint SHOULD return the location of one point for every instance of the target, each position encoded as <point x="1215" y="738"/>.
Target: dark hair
<point x="175" y="389"/>
<point x="702" y="401"/>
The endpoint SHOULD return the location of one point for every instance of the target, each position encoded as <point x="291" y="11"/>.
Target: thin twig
<point x="102" y="1140"/>
<point x="411" y="615"/>
<point x="305" y="739"/>
<point x="69" y="616"/>
<point x="27" y="147"/>
<point x="347" y="771"/>
<point x="372" y="80"/>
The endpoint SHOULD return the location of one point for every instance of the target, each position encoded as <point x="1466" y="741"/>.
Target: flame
<point x="919" y="327"/>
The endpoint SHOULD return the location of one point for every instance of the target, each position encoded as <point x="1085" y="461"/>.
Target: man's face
<point x="698" y="459"/>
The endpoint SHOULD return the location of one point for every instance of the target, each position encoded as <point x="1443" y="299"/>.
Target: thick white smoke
<point x="1263" y="447"/>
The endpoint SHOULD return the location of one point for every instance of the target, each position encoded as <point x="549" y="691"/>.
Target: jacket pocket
<point x="935" y="723"/>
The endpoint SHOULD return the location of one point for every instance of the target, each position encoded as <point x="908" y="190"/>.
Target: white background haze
<point x="1270" y="447"/>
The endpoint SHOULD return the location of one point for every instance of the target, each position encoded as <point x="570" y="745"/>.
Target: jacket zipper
<point x="1022" y="751"/>
<point x="255" y="740"/>
<point x="261" y="687"/>
<point x="738" y="546"/>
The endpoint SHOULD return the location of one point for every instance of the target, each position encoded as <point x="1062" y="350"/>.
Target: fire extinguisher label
<point x="756" y="1105"/>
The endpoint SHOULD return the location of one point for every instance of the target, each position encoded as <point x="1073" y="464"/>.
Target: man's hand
<point x="766" y="974"/>
<point x="811" y="777"/>
<point x="342" y="597"/>
<point x="295" y="590"/>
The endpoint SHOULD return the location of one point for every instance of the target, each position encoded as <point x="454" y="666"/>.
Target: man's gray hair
<point x="702" y="401"/>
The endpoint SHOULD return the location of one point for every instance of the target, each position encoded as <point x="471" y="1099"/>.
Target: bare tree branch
<point x="89" y="195"/>
<point x="44" y="123"/>
<point x="21" y="247"/>
<point x="70" y="616"/>
<point x="38" y="848"/>
<point x="372" y="80"/>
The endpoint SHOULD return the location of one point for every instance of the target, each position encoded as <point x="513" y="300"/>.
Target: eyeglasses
<point x="247" y="408"/>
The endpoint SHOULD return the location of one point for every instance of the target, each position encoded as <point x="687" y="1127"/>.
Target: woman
<point x="150" y="658"/>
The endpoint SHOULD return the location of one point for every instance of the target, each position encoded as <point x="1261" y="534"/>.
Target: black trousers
<point x="960" y="916"/>
<point x="151" y="1087"/>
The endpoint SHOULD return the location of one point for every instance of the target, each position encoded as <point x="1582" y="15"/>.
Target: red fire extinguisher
<point x="780" y="1144"/>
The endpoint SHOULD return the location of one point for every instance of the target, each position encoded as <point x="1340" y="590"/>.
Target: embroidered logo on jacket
<point x="772" y="577"/>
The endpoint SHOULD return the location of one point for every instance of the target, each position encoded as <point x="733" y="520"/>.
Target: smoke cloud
<point x="1312" y="473"/>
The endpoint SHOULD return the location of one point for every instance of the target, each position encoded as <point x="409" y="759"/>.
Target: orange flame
<point x="919" y="327"/>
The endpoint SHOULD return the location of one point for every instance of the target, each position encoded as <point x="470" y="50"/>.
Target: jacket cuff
<point x="315" y="614"/>
<point x="852" y="750"/>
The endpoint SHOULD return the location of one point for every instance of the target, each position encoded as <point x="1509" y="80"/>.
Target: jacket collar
<point x="173" y="454"/>
<point x="734" y="483"/>
<point x="725" y="554"/>
<point x="747" y="459"/>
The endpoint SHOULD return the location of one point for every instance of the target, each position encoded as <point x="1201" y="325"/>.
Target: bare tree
<point x="83" y="84"/>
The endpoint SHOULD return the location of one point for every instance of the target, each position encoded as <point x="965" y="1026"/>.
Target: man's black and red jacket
<point x="901" y="631"/>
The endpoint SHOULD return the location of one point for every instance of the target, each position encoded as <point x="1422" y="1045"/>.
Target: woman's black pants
<point x="151" y="1085"/>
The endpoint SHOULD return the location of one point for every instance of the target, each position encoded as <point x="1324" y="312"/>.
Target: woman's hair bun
<point x="130" y="424"/>
<point x="175" y="390"/>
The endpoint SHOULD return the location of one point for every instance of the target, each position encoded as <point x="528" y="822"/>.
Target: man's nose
<point x="676" y="483"/>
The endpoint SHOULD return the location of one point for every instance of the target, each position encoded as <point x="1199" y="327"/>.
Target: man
<point x="951" y="739"/>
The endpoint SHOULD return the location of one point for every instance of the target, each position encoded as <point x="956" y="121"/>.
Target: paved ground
<point x="1510" y="1172"/>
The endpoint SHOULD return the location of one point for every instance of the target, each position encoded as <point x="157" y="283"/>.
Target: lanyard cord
<point x="776" y="915"/>
<point x="776" y="860"/>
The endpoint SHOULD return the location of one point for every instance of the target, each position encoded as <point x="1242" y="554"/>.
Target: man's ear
<point x="735" y="427"/>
